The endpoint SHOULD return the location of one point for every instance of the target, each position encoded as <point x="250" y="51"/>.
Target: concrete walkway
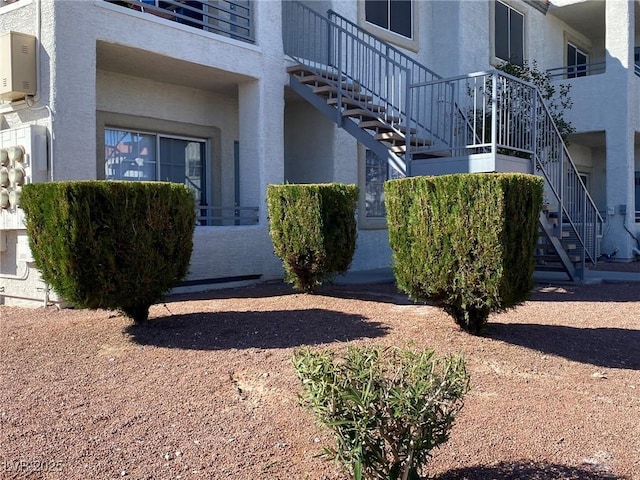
<point x="385" y="275"/>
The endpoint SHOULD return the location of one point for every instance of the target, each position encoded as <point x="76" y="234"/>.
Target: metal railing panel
<point x="227" y="215"/>
<point x="575" y="71"/>
<point x="477" y="113"/>
<point x="230" y="18"/>
<point x="576" y="208"/>
<point x="367" y="65"/>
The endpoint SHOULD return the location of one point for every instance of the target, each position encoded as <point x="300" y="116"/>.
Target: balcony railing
<point x="230" y="18"/>
<point x="226" y="216"/>
<point x="574" y="71"/>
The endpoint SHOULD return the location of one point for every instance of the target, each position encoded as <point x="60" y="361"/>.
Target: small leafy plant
<point x="387" y="407"/>
<point x="556" y="96"/>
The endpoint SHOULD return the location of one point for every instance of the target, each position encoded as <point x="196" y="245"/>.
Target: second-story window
<point x="392" y="15"/>
<point x="509" y="34"/>
<point x="576" y="62"/>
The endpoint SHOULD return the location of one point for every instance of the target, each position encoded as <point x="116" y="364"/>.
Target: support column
<point x="73" y="92"/>
<point x="619" y="42"/>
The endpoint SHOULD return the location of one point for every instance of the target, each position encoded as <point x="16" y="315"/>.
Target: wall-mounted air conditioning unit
<point x="17" y="66"/>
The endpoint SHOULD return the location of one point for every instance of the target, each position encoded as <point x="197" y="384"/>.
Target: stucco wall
<point x="309" y="140"/>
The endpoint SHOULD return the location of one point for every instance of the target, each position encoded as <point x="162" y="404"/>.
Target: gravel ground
<point x="206" y="389"/>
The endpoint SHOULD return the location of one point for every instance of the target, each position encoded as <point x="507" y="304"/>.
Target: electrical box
<point x="17" y="66"/>
<point x="23" y="160"/>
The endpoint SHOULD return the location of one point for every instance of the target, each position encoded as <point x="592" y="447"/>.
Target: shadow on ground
<point x="258" y="290"/>
<point x="379" y="292"/>
<point x="527" y="470"/>
<point x="603" y="347"/>
<point x="266" y="330"/>
<point x="385" y="292"/>
<point x="623" y="292"/>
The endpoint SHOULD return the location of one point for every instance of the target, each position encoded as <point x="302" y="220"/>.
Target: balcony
<point x="230" y="18"/>
<point x="576" y="71"/>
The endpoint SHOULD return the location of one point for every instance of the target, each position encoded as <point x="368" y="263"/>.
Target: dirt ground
<point x="206" y="389"/>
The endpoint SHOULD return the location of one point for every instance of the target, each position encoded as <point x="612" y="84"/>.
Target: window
<point x="131" y="155"/>
<point x="576" y="62"/>
<point x="509" y="34"/>
<point x="377" y="171"/>
<point x="393" y="15"/>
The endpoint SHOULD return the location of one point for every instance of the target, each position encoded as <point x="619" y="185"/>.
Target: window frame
<point x="510" y="10"/>
<point x="577" y="69"/>
<point x="408" y="43"/>
<point x="203" y="199"/>
<point x="365" y="221"/>
<point x="389" y="28"/>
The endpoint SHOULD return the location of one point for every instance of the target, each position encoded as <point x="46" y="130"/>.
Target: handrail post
<point x="339" y="73"/>
<point x="534" y="129"/>
<point x="494" y="112"/>
<point x="563" y="180"/>
<point x="408" y="136"/>
<point x="329" y="40"/>
<point x="453" y="124"/>
<point x="584" y="228"/>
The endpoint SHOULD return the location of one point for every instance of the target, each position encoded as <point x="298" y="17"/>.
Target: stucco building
<point x="211" y="93"/>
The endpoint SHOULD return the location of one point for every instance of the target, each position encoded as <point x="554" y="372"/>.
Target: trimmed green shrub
<point x="313" y="230"/>
<point x="387" y="408"/>
<point x="465" y="242"/>
<point x="113" y="245"/>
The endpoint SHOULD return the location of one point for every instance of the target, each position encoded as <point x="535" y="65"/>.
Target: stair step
<point x="352" y="102"/>
<point x="403" y="129"/>
<point x="394" y="137"/>
<point x="389" y="137"/>
<point x="348" y="98"/>
<point x="398" y="148"/>
<point x="554" y="258"/>
<point x="349" y="90"/>
<point x="313" y="79"/>
<point x="362" y="113"/>
<point x="549" y="268"/>
<point x="301" y="71"/>
<point x="376" y="125"/>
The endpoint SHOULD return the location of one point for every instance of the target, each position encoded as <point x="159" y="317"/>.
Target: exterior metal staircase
<point x="410" y="116"/>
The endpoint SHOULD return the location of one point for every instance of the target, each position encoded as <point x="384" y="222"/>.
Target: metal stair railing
<point x="359" y="63"/>
<point x="419" y="73"/>
<point x="486" y="112"/>
<point x="420" y="135"/>
<point x="500" y="114"/>
<point x="465" y="111"/>
<point x="351" y="65"/>
<point x="575" y="205"/>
